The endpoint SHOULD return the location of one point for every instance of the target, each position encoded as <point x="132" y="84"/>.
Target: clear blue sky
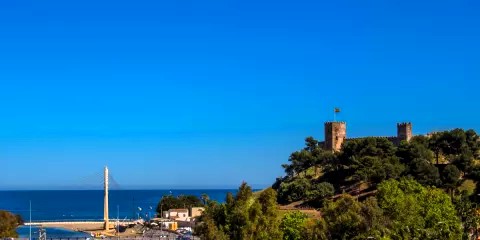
<point x="209" y="93"/>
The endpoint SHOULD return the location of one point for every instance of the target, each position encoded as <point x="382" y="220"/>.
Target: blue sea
<point x="24" y="232"/>
<point x="88" y="204"/>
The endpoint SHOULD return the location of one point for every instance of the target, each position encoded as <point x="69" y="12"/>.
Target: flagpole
<point x="334" y="114"/>
<point x="335" y="111"/>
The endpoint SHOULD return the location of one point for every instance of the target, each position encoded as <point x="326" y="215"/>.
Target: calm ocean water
<point x="24" y="232"/>
<point x="88" y="204"/>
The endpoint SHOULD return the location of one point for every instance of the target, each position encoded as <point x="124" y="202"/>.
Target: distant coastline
<point x="87" y="204"/>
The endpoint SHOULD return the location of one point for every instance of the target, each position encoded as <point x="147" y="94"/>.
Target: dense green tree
<point x="289" y="169"/>
<point x="405" y="209"/>
<point x="183" y="201"/>
<point x="418" y="212"/>
<point x="407" y="152"/>
<point x="474" y="173"/>
<point x="320" y="191"/>
<point x="435" y="144"/>
<point x="454" y="143"/>
<point x="242" y="216"/>
<point x="420" y="140"/>
<point x="300" y="162"/>
<point x="328" y="160"/>
<point x="207" y="229"/>
<point x="348" y="218"/>
<point x="316" y="230"/>
<point x="278" y="181"/>
<point x="375" y="222"/>
<point x="376" y="169"/>
<point x="293" y="225"/>
<point x="464" y="161"/>
<point x="424" y="172"/>
<point x="468" y="213"/>
<point x="311" y="144"/>
<point x="190" y="201"/>
<point x="267" y="223"/>
<point x="343" y="218"/>
<point x="370" y="159"/>
<point x="312" y="155"/>
<point x="8" y="224"/>
<point x="294" y="190"/>
<point x="205" y="198"/>
<point x="370" y="146"/>
<point x="418" y="160"/>
<point x="473" y="142"/>
<point x="168" y="202"/>
<point x="450" y="177"/>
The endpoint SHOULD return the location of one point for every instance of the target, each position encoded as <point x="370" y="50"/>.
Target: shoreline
<point x="89" y="228"/>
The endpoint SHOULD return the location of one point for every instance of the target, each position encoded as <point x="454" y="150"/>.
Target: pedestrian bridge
<point x="78" y="224"/>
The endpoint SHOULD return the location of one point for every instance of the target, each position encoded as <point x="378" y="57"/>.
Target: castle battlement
<point x="339" y="122"/>
<point x="382" y="137"/>
<point x="336" y="134"/>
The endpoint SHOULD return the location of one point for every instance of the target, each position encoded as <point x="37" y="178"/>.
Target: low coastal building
<point x="176" y="214"/>
<point x="196" y="212"/>
<point x="164" y="223"/>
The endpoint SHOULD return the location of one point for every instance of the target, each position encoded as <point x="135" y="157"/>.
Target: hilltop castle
<point x="336" y="134"/>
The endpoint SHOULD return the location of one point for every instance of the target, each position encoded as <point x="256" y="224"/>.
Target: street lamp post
<point x="161" y="215"/>
<point x="30" y="232"/>
<point x="149" y="213"/>
<point x="118" y="223"/>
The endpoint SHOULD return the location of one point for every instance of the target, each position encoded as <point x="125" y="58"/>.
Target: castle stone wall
<point x="404" y="131"/>
<point x="335" y="135"/>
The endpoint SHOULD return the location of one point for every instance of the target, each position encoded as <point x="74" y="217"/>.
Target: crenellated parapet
<point x="391" y="139"/>
<point x="331" y="123"/>
<point x="382" y="137"/>
<point x="336" y="134"/>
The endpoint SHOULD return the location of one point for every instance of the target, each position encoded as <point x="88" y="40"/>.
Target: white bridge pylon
<point x="105" y="198"/>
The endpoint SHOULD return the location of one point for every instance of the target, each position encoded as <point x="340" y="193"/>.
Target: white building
<point x="196" y="211"/>
<point x="179" y="214"/>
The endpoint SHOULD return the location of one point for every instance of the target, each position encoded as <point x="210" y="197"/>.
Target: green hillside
<point x="425" y="188"/>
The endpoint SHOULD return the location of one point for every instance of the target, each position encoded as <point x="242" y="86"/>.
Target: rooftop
<point x="178" y="210"/>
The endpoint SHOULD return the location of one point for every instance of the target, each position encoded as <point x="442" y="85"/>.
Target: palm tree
<point x="205" y="198"/>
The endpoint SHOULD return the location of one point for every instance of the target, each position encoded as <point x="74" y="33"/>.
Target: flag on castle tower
<point x="337" y="110"/>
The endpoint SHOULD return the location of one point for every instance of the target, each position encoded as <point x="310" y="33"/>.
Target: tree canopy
<point x="416" y="185"/>
<point x="402" y="209"/>
<point x="242" y="217"/>
<point x="183" y="201"/>
<point x="418" y="212"/>
<point x="372" y="160"/>
<point x="370" y="189"/>
<point x="8" y="224"/>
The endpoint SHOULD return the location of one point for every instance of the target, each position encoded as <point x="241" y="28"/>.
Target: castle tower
<point x="404" y="131"/>
<point x="335" y="135"/>
<point x="105" y="199"/>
